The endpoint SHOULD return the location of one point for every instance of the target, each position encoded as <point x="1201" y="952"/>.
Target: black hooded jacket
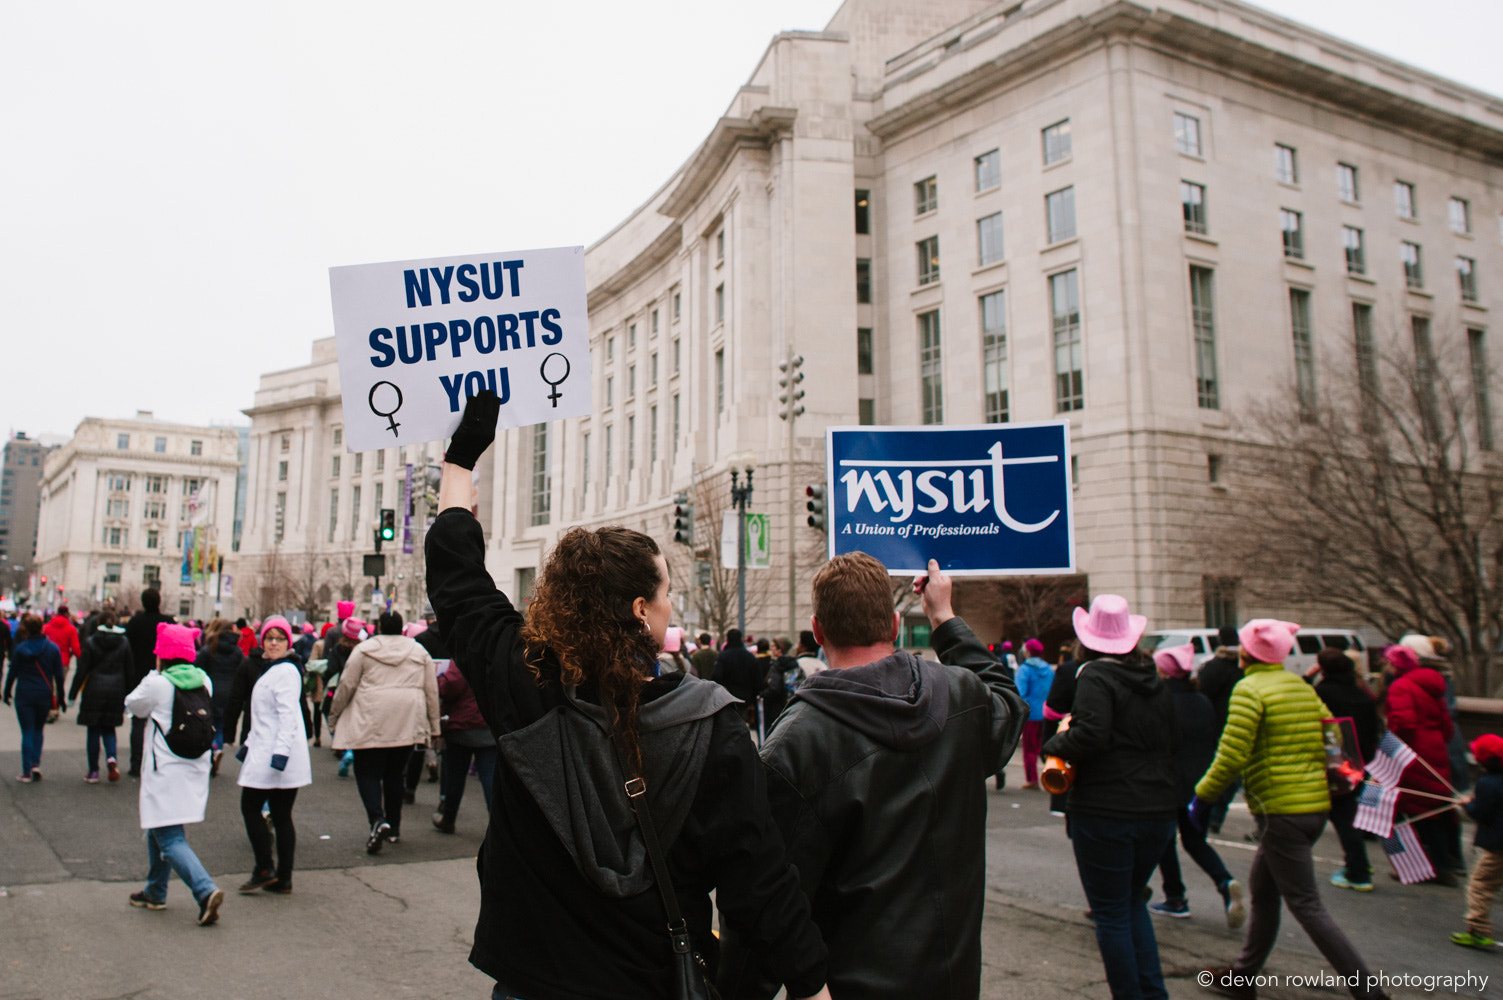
<point x="1123" y="739"/>
<point x="222" y="664"/>
<point x="103" y="666"/>
<point x="877" y="778"/>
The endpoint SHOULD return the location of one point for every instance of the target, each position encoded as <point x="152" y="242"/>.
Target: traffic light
<point x="388" y="530"/>
<point x="44" y="581"/>
<point x="790" y="396"/>
<point x="683" y="520"/>
<point x="816" y="505"/>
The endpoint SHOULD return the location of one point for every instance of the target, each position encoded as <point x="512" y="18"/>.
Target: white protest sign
<point x="417" y="338"/>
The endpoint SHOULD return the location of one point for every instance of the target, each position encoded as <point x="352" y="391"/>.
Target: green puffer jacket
<point x="1273" y="739"/>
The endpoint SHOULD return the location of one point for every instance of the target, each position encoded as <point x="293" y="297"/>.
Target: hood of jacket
<point x="185" y="676"/>
<point x="228" y="640"/>
<point x="1428" y="679"/>
<point x="566" y="762"/>
<point x="1140" y="677"/>
<point x="901" y="701"/>
<point x="389" y="649"/>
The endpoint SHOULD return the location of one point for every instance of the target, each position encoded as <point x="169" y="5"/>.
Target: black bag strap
<point x="636" y="797"/>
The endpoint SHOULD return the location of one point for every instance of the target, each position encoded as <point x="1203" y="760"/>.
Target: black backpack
<point x="192" y="732"/>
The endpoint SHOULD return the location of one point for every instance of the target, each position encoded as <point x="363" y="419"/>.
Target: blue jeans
<point x="97" y="733"/>
<point x="168" y="851"/>
<point x="1115" y="858"/>
<point x="31" y="712"/>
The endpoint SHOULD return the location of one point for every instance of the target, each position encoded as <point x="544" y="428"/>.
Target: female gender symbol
<point x="554" y="382"/>
<point x="370" y="400"/>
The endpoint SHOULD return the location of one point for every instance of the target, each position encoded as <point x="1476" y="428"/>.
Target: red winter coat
<point x="65" y="637"/>
<point x="457" y="702"/>
<point x="247" y="640"/>
<point x="1417" y="714"/>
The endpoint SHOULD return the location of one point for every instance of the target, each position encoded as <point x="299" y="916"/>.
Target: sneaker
<point x="208" y="910"/>
<point x="141" y="899"/>
<point x="378" y="837"/>
<point x="24" y="779"/>
<point x="318" y="741"/>
<point x="344" y="767"/>
<point x="93" y="778"/>
<point x="442" y="823"/>
<point x="36" y="774"/>
<point x="1340" y="881"/>
<point x="1236" y="910"/>
<point x="392" y="836"/>
<point x="279" y="886"/>
<point x="258" y="880"/>
<point x="114" y="770"/>
<point x="1469" y="940"/>
<point x="1030" y="786"/>
<point x="1179" y="909"/>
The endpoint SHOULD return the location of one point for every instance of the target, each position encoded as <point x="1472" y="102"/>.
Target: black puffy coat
<point x="105" y="663"/>
<point x="1198" y="734"/>
<point x="221" y="664"/>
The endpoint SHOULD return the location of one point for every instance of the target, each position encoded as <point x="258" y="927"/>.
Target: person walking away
<point x="467" y="740"/>
<point x="1345" y="694"/>
<point x="220" y="658"/>
<point x="702" y="660"/>
<point x="1273" y="738"/>
<point x="237" y="707"/>
<point x="1122" y="740"/>
<point x="876" y="777"/>
<point x="274" y="760"/>
<point x="1057" y="705"/>
<point x="352" y="632"/>
<point x="247" y="640"/>
<point x="387" y="701"/>
<point x="737" y="670"/>
<point x="782" y="680"/>
<point x="64" y="636"/>
<point x="1417" y="714"/>
<point x="174" y="788"/>
<point x="103" y="666"/>
<point x="1198" y="735"/>
<point x="35" y="680"/>
<point x="1432" y="651"/>
<point x="571" y="696"/>
<point x="1035" y="677"/>
<point x="1216" y="678"/>
<point x="141" y="632"/>
<point x="1486" y="807"/>
<point x="302" y="647"/>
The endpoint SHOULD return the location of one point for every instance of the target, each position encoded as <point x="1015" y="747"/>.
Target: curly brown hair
<point x="581" y="618"/>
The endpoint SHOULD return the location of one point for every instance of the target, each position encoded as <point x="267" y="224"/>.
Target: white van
<point x="1308" y="642"/>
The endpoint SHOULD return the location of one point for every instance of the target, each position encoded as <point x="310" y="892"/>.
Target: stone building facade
<point x="20" y="503"/>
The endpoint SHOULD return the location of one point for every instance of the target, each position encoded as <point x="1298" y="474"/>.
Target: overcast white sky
<point x="179" y="176"/>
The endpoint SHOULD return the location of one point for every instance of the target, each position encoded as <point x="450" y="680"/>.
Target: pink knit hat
<point x="413" y="629"/>
<point x="176" y="642"/>
<point x="1267" y="640"/>
<point x="1108" y="627"/>
<point x="275" y="621"/>
<point x="345" y="609"/>
<point x="1403" y="658"/>
<point x="307" y="628"/>
<point x="1033" y="648"/>
<point x="1175" y="661"/>
<point x="352" y="628"/>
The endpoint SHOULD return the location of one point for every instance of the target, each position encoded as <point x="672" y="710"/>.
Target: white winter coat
<point x="387" y="696"/>
<point x="174" y="790"/>
<point x="277" y="728"/>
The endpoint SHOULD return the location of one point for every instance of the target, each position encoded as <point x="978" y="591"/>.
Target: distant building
<point x="20" y="496"/>
<point x="116" y="503"/>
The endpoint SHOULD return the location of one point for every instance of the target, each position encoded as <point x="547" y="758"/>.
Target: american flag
<point x="1406" y="855"/>
<point x="1375" y="809"/>
<point x="1389" y="762"/>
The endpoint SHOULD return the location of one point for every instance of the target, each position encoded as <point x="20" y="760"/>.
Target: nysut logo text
<point x="930" y="487"/>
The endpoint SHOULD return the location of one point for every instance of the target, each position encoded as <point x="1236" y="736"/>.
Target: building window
<point x="677" y="356"/>
<point x="155" y="484"/>
<point x="338" y="437"/>
<point x="864" y="360"/>
<point x="354" y="513"/>
<point x="542" y="480"/>
<point x="1060" y="209"/>
<point x="720" y="247"/>
<point x="631" y="444"/>
<point x="1414" y="275"/>
<point x="988" y="170"/>
<point x="1192" y="198"/>
<point x="153" y="538"/>
<point x="111" y="572"/>
<point x="654" y="321"/>
<point x="928" y="260"/>
<point x="863" y="212"/>
<point x="1187" y="134"/>
<point x="652" y="369"/>
<point x="119" y="481"/>
<point x="151" y="576"/>
<point x="1466" y="274"/>
<point x="117" y="508"/>
<point x="1304" y="351"/>
<point x="1293" y="225"/>
<point x="282" y="471"/>
<point x="677" y="301"/>
<point x="381" y="460"/>
<point x="380" y="500"/>
<point x="1460" y="212"/>
<point x="994" y="357"/>
<point x="652" y="436"/>
<point x="1481" y="398"/>
<point x="334" y="467"/>
<point x="929" y="368"/>
<point x="1220" y="594"/>
<point x="631" y="337"/>
<point x="673" y="443"/>
<point x="359" y="461"/>
<point x="1203" y="317"/>
<point x="122" y="442"/>
<point x="1057" y="142"/>
<point x="1356" y="257"/>
<point x="925" y="196"/>
<point x="610" y="450"/>
<point x="1403" y="199"/>
<point x="1346" y="183"/>
<point x="631" y="381"/>
<point x="1285" y="164"/>
<point x="1366" y="353"/>
<point x="1213" y="468"/>
<point x="155" y="510"/>
<point x="333" y="514"/>
<point x="195" y="448"/>
<point x="866" y="412"/>
<point x="1425" y="373"/>
<point x="720" y="381"/>
<point x="584" y="458"/>
<point x="280" y="520"/>
<point x="720" y="303"/>
<point x="610" y="390"/>
<point x="286" y="443"/>
<point x="863" y="279"/>
<point x="1069" y="377"/>
<point x="989" y="239"/>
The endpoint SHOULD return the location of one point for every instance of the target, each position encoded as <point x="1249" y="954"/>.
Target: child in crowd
<point x="1486" y="807"/>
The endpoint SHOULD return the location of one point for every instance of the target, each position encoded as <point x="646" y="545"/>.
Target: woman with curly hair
<point x="569" y="903"/>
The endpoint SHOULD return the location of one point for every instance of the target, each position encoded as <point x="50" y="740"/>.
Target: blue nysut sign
<point x="993" y="499"/>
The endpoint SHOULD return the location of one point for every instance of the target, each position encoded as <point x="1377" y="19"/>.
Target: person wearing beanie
<point x="1034" y="677"/>
<point x="174" y="790"/>
<point x="35" y="681"/>
<point x="1216" y="678"/>
<point x="386" y="703"/>
<point x="103" y="667"/>
<point x="274" y="759"/>
<point x="247" y="636"/>
<point x="1432" y="651"/>
<point x="1417" y="714"/>
<point x="141" y="633"/>
<point x="1486" y="807"/>
<point x="1345" y="694"/>
<point x="352" y="632"/>
<point x="1274" y="739"/>
<point x="1197" y="745"/>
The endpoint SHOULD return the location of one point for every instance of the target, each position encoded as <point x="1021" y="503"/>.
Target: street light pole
<point x="741" y="499"/>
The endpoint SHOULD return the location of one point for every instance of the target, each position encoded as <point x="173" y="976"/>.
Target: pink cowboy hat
<point x="1108" y="627"/>
<point x="1175" y="661"/>
<point x="1267" y="640"/>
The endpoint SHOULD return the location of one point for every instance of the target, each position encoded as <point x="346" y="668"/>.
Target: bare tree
<point x="1380" y="499"/>
<point x="1033" y="605"/>
<point x="716" y="601"/>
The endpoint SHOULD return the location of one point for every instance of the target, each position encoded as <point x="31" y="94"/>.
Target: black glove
<point x="477" y="429"/>
<point x="279" y="762"/>
<point x="240" y="754"/>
